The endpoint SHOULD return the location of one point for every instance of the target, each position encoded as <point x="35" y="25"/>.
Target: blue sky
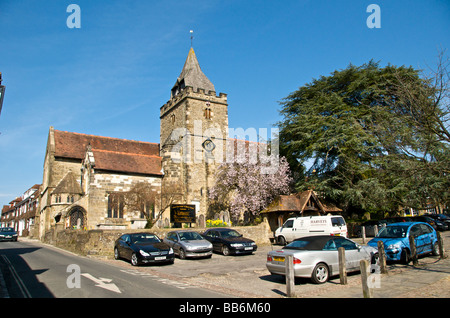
<point x="111" y="76"/>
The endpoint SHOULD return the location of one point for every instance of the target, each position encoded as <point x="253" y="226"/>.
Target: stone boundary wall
<point x="101" y="242"/>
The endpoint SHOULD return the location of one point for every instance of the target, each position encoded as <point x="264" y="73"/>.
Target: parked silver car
<point x="317" y="257"/>
<point x="188" y="244"/>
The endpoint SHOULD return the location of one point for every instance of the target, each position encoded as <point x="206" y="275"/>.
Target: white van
<point x="298" y="227"/>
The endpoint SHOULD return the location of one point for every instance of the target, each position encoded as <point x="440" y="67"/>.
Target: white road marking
<point x="103" y="283"/>
<point x="166" y="281"/>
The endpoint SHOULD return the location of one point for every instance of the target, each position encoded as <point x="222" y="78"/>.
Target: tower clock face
<point x="208" y="145"/>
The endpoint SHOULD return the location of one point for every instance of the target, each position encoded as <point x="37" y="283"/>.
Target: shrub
<point x="217" y="223"/>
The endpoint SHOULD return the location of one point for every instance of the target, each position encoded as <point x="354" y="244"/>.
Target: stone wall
<point x="101" y="242"/>
<point x="101" y="184"/>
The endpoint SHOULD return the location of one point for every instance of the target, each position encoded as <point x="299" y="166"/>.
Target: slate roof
<point x="111" y="154"/>
<point x="192" y="75"/>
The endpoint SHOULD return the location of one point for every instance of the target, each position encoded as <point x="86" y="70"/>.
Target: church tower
<point x="193" y="135"/>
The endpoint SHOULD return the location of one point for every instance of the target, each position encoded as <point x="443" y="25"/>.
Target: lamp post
<point x="2" y="93"/>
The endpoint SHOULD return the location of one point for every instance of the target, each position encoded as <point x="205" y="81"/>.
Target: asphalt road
<point x="34" y="270"/>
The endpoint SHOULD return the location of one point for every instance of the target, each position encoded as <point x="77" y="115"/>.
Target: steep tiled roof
<point x="126" y="162"/>
<point x="298" y="203"/>
<point x="112" y="154"/>
<point x="73" y="145"/>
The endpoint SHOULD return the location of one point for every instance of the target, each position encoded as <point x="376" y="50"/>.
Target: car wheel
<point x="116" y="253"/>
<point x="182" y="254"/>
<point x="134" y="260"/>
<point x="320" y="274"/>
<point x="405" y="257"/>
<point x="281" y="240"/>
<point x="435" y="249"/>
<point x="225" y="250"/>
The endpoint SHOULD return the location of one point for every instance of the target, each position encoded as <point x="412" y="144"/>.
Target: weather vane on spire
<point x="192" y="36"/>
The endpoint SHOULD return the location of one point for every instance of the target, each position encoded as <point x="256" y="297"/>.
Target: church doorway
<point x="77" y="218"/>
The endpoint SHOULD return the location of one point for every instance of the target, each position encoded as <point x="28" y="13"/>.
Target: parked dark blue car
<point x="395" y="237"/>
<point x="8" y="234"/>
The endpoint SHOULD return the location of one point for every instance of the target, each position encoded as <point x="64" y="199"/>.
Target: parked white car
<point x="298" y="227"/>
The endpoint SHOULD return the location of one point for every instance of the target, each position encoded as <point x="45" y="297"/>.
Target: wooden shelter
<point x="305" y="203"/>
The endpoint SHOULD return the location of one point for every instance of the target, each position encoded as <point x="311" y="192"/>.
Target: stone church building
<point x="84" y="175"/>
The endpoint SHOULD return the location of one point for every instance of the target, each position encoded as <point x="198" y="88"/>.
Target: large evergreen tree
<point x="355" y="137"/>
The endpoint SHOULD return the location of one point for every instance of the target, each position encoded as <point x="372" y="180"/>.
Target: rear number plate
<point x="278" y="259"/>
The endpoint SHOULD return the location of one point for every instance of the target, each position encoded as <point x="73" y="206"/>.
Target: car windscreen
<point x="337" y="221"/>
<point x="189" y="236"/>
<point x="308" y="243"/>
<point x="229" y="233"/>
<point x="144" y="238"/>
<point x="6" y="229"/>
<point x="393" y="231"/>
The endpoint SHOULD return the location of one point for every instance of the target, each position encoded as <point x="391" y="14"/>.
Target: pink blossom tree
<point x="246" y="187"/>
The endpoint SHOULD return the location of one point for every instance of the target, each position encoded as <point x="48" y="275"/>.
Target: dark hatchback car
<point x="143" y="248"/>
<point x="442" y="218"/>
<point x="228" y="241"/>
<point x="436" y="224"/>
<point x="8" y="234"/>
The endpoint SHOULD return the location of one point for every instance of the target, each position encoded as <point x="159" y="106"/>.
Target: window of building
<point x="115" y="205"/>
<point x="207" y="113"/>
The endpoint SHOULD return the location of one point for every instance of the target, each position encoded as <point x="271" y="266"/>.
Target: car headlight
<point x="394" y="247"/>
<point x="170" y="251"/>
<point x="236" y="245"/>
<point x="253" y="243"/>
<point x="143" y="253"/>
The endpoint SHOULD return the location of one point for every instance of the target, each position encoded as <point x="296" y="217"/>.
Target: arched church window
<point x="115" y="205"/>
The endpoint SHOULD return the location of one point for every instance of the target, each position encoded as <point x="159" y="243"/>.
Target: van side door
<point x="288" y="230"/>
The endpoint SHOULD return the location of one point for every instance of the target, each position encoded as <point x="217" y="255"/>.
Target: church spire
<point x="192" y="75"/>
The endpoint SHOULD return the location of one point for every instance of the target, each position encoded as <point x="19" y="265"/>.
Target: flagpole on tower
<point x="192" y="36"/>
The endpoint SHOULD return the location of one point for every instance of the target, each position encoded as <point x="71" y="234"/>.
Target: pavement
<point x="246" y="276"/>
